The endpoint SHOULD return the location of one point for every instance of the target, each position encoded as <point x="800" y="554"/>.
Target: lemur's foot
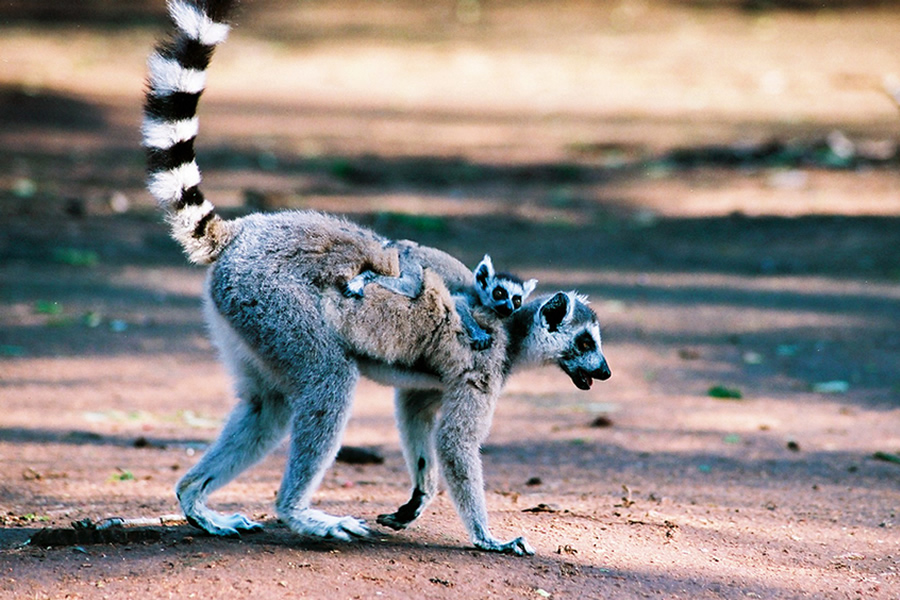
<point x="393" y="520"/>
<point x="355" y="288"/>
<point x="516" y="547"/>
<point x="315" y="523"/>
<point x="221" y="525"/>
<point x="409" y="512"/>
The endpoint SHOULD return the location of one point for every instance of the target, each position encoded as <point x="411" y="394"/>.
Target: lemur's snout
<point x="603" y="373"/>
<point x="504" y="310"/>
<point x="583" y="379"/>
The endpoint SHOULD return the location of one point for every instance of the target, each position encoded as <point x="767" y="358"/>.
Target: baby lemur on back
<point x="501" y="293"/>
<point x="296" y="344"/>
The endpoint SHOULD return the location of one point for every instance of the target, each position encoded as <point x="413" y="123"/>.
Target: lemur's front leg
<point x="465" y="420"/>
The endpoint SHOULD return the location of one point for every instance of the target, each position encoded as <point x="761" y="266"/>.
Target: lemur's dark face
<point x="501" y="292"/>
<point x="583" y="361"/>
<point x="503" y="300"/>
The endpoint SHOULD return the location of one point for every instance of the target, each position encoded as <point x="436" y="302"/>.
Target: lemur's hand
<point x="355" y="288"/>
<point x="481" y="341"/>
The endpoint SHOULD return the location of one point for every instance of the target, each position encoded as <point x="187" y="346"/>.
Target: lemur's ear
<point x="528" y="287"/>
<point x="484" y="271"/>
<point x="555" y="311"/>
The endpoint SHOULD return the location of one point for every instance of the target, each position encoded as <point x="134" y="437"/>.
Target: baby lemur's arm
<point x="481" y="339"/>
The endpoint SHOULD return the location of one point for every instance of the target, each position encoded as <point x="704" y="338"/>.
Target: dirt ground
<point x="723" y="183"/>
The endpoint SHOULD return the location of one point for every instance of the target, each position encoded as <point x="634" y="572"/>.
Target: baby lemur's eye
<point x="499" y="293"/>
<point x="517" y="301"/>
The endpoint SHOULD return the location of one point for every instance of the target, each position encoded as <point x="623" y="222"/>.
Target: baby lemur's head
<point x="501" y="292"/>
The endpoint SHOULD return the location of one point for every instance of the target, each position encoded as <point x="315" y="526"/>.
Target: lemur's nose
<point x="603" y="373"/>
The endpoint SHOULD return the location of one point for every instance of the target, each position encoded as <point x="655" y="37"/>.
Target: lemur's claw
<point x="484" y="343"/>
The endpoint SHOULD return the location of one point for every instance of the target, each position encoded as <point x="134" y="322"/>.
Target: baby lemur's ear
<point x="484" y="272"/>
<point x="555" y="311"/>
<point x="528" y="287"/>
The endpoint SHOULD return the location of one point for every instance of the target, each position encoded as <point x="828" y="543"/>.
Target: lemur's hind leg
<point x="408" y="284"/>
<point x="320" y="416"/>
<point x="254" y="427"/>
<point x="416" y="412"/>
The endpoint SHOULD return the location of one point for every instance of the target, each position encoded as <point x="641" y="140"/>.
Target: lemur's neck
<point x="519" y="328"/>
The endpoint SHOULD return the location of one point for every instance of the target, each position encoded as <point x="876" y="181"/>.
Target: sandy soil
<point x="677" y="163"/>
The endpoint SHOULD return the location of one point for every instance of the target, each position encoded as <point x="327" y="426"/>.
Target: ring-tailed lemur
<point x="501" y="293"/>
<point x="296" y="344"/>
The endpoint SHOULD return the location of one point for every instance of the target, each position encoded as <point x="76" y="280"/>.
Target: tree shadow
<point x="769" y="466"/>
<point x="562" y="212"/>
<point x="833" y="267"/>
<point x="113" y="14"/>
<point x="22" y="109"/>
<point x="79" y="437"/>
<point x="187" y="548"/>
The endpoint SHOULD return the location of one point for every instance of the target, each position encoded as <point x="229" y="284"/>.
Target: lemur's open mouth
<point x="583" y="380"/>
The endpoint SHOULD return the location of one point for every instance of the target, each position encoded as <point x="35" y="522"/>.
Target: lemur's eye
<point x="499" y="293"/>
<point x="585" y="343"/>
<point x="517" y="301"/>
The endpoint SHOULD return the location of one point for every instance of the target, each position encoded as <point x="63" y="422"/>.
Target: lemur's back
<point x="278" y="283"/>
<point x="321" y="249"/>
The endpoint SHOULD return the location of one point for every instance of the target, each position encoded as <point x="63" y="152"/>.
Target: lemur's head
<point x="501" y="292"/>
<point x="562" y="329"/>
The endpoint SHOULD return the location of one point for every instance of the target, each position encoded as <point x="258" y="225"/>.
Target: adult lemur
<point x="296" y="344"/>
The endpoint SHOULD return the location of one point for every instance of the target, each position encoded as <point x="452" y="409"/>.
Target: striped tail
<point x="177" y="78"/>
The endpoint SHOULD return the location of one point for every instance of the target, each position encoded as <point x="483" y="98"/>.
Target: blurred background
<point x="655" y="108"/>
